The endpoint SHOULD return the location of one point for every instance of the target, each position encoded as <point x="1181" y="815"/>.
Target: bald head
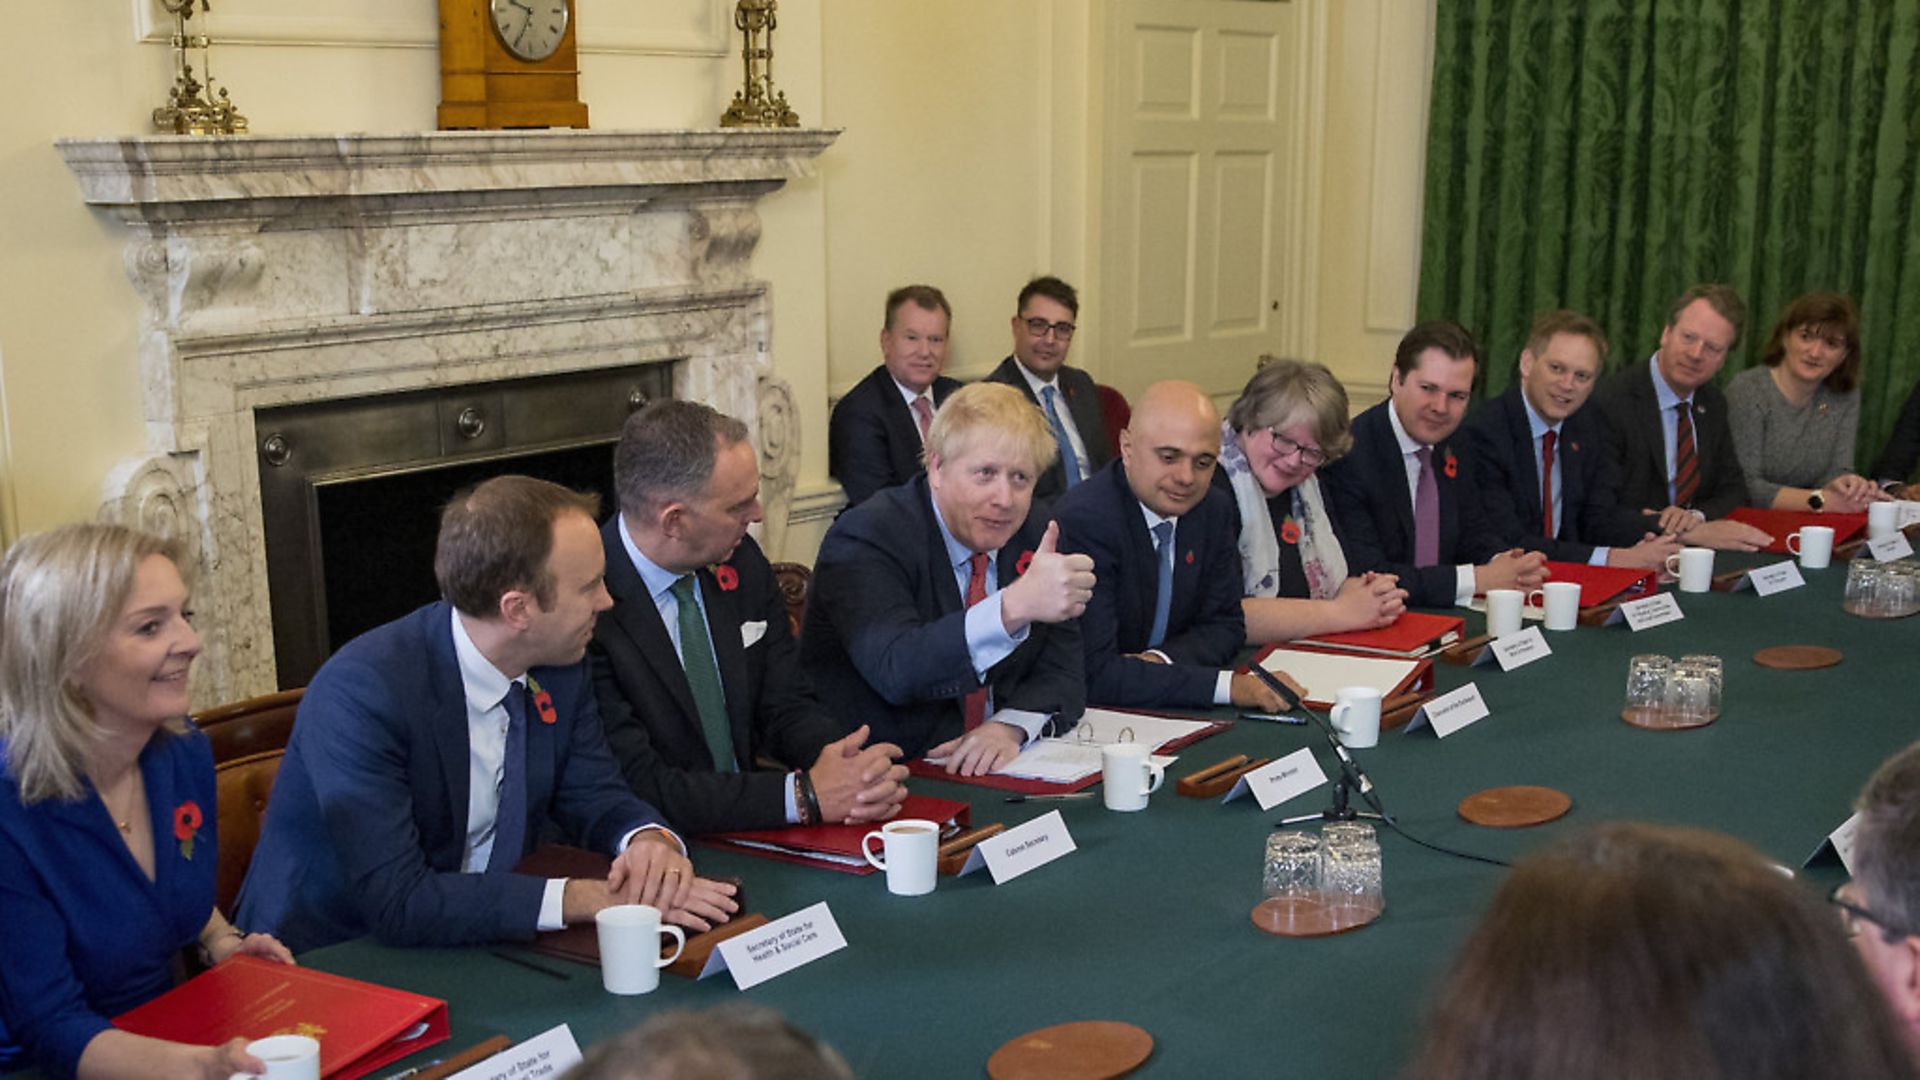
<point x="1170" y="447"/>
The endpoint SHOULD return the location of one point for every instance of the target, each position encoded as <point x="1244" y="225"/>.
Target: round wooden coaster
<point x="1662" y="720"/>
<point x="1302" y="917"/>
<point x="1084" y="1050"/>
<point x="1515" y="807"/>
<point x="1797" y="657"/>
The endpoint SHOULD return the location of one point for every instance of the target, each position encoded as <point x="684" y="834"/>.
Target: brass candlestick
<point x="187" y="111"/>
<point x="758" y="104"/>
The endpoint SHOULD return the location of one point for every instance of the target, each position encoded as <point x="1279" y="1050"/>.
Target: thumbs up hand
<point x="1053" y="588"/>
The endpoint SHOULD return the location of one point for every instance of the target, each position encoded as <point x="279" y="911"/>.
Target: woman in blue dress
<point x="107" y="848"/>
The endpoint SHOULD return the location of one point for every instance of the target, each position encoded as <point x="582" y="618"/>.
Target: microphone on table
<point x="1290" y="701"/>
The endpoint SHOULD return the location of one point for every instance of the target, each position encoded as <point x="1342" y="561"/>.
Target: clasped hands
<point x="654" y="871"/>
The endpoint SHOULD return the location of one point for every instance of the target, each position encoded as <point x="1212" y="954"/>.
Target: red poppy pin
<point x="1453" y="465"/>
<point x="726" y="577"/>
<point x="1575" y="446"/>
<point x="1290" y="531"/>
<point x="186" y="826"/>
<point x="543" y="702"/>
<point x="1189" y="558"/>
<point x="1025" y="560"/>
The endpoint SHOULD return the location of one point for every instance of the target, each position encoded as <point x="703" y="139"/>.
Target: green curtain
<point x="1605" y="154"/>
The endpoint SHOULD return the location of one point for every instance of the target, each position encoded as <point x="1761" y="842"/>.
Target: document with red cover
<point x="360" y="1026"/>
<point x="1599" y="584"/>
<point x="1022" y="785"/>
<point x="1413" y="634"/>
<point x="835" y="847"/>
<point x="1780" y="523"/>
<point x="1322" y="672"/>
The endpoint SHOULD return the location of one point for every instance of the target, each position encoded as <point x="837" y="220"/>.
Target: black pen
<point x="1050" y="798"/>
<point x="1273" y="719"/>
<point x="552" y="973"/>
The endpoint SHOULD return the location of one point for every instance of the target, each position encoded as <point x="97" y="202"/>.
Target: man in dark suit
<point x="1404" y="494"/>
<point x="695" y="667"/>
<point x="942" y="613"/>
<point x="877" y="431"/>
<point x="1547" y="481"/>
<point x="430" y="754"/>
<point x="1043" y="325"/>
<point x="1164" y="623"/>
<point x="1667" y="426"/>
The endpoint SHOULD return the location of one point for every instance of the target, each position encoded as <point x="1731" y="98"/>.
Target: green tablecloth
<point x="1148" y="921"/>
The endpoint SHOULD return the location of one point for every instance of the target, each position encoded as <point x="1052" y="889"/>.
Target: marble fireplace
<point x="278" y="271"/>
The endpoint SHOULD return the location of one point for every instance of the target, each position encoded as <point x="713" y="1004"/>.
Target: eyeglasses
<point x="1311" y="456"/>
<point x="1062" y="331"/>
<point x="1852" y="915"/>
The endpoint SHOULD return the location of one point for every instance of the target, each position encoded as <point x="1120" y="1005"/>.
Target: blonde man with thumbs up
<point x="942" y="615"/>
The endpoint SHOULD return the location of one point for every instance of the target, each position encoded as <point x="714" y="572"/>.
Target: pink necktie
<point x="923" y="415"/>
<point x="1426" y="512"/>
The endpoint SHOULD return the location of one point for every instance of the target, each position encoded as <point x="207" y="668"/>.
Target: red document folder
<point x="359" y="1025"/>
<point x="1420" y="678"/>
<point x="1413" y="634"/>
<point x="1599" y="584"/>
<point x="799" y="843"/>
<point x="1779" y="523"/>
<point x="1021" y="785"/>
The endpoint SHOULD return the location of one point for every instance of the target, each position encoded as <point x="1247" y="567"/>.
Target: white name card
<point x="550" y="1053"/>
<point x="1450" y="711"/>
<point x="1892" y="546"/>
<point x="1022" y="848"/>
<point x="1656" y="610"/>
<point x="1779" y="577"/>
<point x="1521" y="649"/>
<point x="778" y="947"/>
<point x="1839" y="842"/>
<point x="1291" y="776"/>
<point x="1907" y="512"/>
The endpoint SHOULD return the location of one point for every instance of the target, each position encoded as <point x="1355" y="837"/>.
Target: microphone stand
<point x="1351" y="778"/>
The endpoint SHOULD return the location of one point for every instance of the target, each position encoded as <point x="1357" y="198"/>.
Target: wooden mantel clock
<point x="509" y="64"/>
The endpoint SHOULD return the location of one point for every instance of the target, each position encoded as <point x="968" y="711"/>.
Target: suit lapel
<point x="447" y="714"/>
<point x="1391" y="469"/>
<point x="947" y="597"/>
<point x="1083" y="401"/>
<point x="636" y="616"/>
<point x="902" y="433"/>
<point x="1653" y="424"/>
<point x="1522" y="428"/>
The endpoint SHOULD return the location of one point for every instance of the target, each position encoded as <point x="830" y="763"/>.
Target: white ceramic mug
<point x="288" y="1057"/>
<point x="1814" y="545"/>
<point x="1356" y="712"/>
<point x="630" y="959"/>
<point x="912" y="848"/>
<point x="1694" y="567"/>
<point x="1127" y="777"/>
<point x="1882" y="519"/>
<point x="1503" y="611"/>
<point x="1560" y="601"/>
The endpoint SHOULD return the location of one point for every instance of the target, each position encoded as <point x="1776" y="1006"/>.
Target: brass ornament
<point x="758" y="104"/>
<point x="188" y="111"/>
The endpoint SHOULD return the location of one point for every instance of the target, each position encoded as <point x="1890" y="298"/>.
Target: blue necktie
<point x="1163" y="595"/>
<point x="510" y="819"/>
<point x="1069" y="461"/>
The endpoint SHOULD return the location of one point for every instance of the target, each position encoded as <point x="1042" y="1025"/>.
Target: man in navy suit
<point x="1547" y="480"/>
<point x="1667" y="425"/>
<point x="878" y="429"/>
<point x="942" y="614"/>
<point x="1164" y="623"/>
<point x="430" y="754"/>
<point x="1043" y="325"/>
<point x="695" y="668"/>
<point x="1401" y="495"/>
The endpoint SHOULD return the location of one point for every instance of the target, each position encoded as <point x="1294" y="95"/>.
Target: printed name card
<point x="1907" y="512"/>
<point x="1022" y="848"/>
<point x="1779" y="577"/>
<point x="550" y="1053"/>
<point x="1451" y="711"/>
<point x="778" y="947"/>
<point x="1656" y="610"/>
<point x="1838" y="843"/>
<point x="1521" y="649"/>
<point x="1892" y="546"/>
<point x="1291" y="776"/>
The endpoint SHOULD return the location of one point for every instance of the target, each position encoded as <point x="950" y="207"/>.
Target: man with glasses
<point x="1879" y="906"/>
<point x="1042" y="334"/>
<point x="1404" y="495"/>
<point x="1545" y="477"/>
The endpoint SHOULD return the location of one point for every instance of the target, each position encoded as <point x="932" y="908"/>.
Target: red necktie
<point x="976" y="704"/>
<point x="1546" y="482"/>
<point x="923" y="415"/>
<point x="1686" y="465"/>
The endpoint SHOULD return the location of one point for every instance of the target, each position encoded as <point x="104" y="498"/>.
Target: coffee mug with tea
<point x="1127" y="777"/>
<point x="911" y="849"/>
<point x="630" y="959"/>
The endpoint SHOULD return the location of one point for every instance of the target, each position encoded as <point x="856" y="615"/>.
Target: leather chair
<point x="793" y="579"/>
<point x="249" y="738"/>
<point x="249" y="727"/>
<point x="1115" y="413"/>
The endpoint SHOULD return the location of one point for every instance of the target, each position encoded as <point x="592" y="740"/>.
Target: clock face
<point x="530" y="29"/>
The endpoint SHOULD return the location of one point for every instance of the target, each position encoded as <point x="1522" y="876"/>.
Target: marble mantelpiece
<point x="275" y="270"/>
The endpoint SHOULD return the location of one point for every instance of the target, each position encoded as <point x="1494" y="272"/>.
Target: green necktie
<point x="703" y="677"/>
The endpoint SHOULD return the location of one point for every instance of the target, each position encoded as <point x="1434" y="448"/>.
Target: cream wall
<point x="967" y="161"/>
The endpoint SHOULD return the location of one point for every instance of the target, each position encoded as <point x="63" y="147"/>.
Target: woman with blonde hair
<point x="1289" y="421"/>
<point x="106" y="793"/>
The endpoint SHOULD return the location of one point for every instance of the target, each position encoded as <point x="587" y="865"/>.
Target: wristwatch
<point x="1817" y="501"/>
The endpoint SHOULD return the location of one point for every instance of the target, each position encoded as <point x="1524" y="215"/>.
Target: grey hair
<point x="729" y="1042"/>
<point x="666" y="453"/>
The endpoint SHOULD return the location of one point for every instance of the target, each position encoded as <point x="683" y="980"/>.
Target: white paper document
<point x="549" y="1054"/>
<point x="1323" y="674"/>
<point x="1076" y="755"/>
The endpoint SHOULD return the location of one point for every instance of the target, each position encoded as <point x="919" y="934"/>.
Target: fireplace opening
<point x="352" y="489"/>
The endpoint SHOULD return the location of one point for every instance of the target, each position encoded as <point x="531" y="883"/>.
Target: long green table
<point x="1148" y="921"/>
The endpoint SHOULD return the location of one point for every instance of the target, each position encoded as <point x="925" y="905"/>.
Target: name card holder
<point x="1451" y="711"/>
<point x="1022" y="848"/>
<point x="1656" y="610"/>
<point x="1779" y="577"/>
<point x="1289" y="778"/>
